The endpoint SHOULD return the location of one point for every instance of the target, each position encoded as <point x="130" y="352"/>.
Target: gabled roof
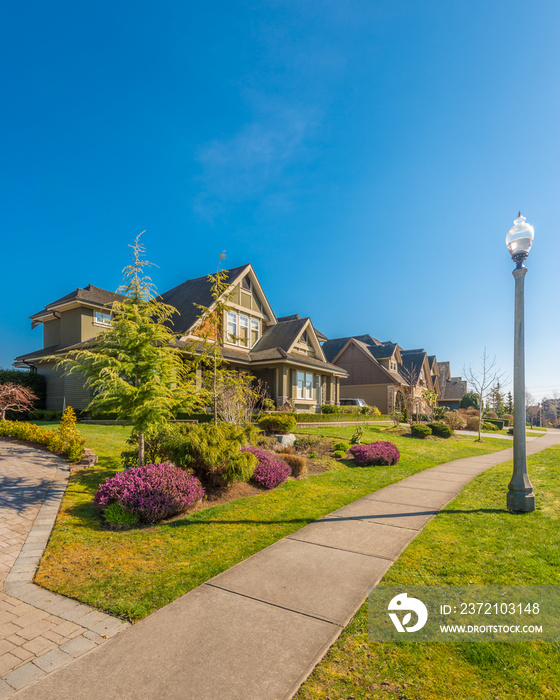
<point x="412" y="361"/>
<point x="198" y="291"/>
<point x="453" y="389"/>
<point x="382" y="351"/>
<point x="282" y="335"/>
<point x="89" y="295"/>
<point x="334" y="345"/>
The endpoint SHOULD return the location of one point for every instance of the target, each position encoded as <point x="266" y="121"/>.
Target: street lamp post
<point x="520" y="498"/>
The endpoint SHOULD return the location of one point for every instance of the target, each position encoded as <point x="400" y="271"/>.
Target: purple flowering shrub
<point x="379" y="453"/>
<point x="270" y="470"/>
<point x="153" y="492"/>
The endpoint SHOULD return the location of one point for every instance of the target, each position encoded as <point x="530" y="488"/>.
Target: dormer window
<point x="102" y="319"/>
<point x="246" y="284"/>
<point x="393" y="366"/>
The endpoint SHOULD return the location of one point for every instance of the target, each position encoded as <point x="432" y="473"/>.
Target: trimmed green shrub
<point x="489" y="427"/>
<point x="498" y="422"/>
<point x="441" y="430"/>
<point x="339" y="454"/>
<point x="343" y="416"/>
<point x="420" y="431"/>
<point x="280" y="423"/>
<point x="344" y="446"/>
<point x="297" y="464"/>
<point x="213" y="452"/>
<point x="330" y="408"/>
<point x="41" y="414"/>
<point x="490" y="414"/>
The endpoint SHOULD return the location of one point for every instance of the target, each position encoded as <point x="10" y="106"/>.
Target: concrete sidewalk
<point x="256" y="631"/>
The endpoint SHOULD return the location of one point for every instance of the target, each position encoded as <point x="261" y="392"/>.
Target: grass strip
<point x="474" y="540"/>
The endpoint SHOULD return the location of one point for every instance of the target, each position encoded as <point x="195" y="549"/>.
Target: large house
<point x="284" y="352"/>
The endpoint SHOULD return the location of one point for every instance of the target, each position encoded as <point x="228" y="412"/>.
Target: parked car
<point x="352" y="402"/>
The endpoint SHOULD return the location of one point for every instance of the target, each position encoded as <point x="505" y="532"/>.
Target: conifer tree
<point x="135" y="368"/>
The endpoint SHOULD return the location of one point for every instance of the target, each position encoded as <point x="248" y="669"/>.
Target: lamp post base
<point x="519" y="502"/>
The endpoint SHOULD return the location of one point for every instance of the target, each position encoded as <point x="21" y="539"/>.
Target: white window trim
<point x="101" y="323"/>
<point x="250" y="321"/>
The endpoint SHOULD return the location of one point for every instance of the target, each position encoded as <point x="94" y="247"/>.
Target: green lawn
<point x="132" y="573"/>
<point x="473" y="540"/>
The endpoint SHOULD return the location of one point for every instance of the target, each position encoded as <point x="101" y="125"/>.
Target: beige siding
<point x="71" y="326"/>
<point x="372" y="394"/>
<point x="51" y="333"/>
<point x="361" y="370"/>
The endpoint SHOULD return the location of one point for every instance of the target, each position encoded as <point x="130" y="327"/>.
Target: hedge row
<point x="337" y="417"/>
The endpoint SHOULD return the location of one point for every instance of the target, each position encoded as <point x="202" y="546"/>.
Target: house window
<point x="102" y="319"/>
<point x="243" y="331"/>
<point x="303" y="338"/>
<point x="393" y="365"/>
<point x="232" y="327"/>
<point x="304" y="385"/>
<point x="254" y="331"/>
<point x="246" y="283"/>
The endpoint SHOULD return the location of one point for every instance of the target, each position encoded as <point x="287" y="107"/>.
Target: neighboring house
<point x="372" y="369"/>
<point x="434" y="373"/>
<point x="378" y="370"/>
<point x="284" y="352"/>
<point x="452" y="389"/>
<point x="67" y="323"/>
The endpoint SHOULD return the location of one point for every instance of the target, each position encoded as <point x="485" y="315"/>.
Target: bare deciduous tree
<point x="482" y="381"/>
<point x="409" y="390"/>
<point x="236" y="402"/>
<point x="14" y="397"/>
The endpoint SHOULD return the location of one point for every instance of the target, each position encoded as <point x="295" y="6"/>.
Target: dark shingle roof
<point x="444" y="370"/>
<point x="293" y="317"/>
<point x="453" y="389"/>
<point x="90" y="294"/>
<point x="282" y="335"/>
<point x="334" y="345"/>
<point x="197" y="291"/>
<point x="382" y="351"/>
<point x="412" y="361"/>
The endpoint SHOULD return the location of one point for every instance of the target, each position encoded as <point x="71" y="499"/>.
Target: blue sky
<point x="366" y="157"/>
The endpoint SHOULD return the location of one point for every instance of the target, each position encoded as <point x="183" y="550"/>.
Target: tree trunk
<point x="140" y="449"/>
<point x="3" y="414"/>
<point x="480" y="419"/>
<point x="215" y="389"/>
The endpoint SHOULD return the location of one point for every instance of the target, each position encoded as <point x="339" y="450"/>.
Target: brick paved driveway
<point x="39" y="631"/>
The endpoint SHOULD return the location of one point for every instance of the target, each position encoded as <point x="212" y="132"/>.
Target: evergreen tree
<point x="497" y="399"/>
<point x="135" y="368"/>
<point x="509" y="403"/>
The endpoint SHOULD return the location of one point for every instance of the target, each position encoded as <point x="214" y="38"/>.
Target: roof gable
<point x="186" y="296"/>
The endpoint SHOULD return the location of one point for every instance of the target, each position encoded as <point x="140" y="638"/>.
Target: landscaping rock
<point x="288" y="439"/>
